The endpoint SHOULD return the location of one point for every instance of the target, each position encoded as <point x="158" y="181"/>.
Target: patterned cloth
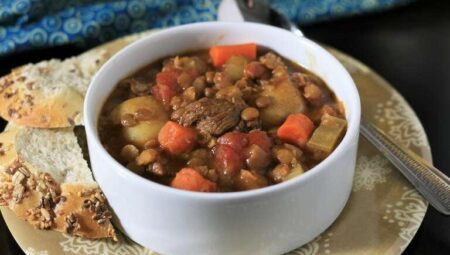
<point x="27" y="24"/>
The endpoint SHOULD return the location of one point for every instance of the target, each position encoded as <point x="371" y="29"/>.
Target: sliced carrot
<point x="296" y="129"/>
<point x="221" y="53"/>
<point x="176" y="139"/>
<point x="189" y="179"/>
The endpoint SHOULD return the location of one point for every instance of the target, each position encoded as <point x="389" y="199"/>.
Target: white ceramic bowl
<point x="270" y="220"/>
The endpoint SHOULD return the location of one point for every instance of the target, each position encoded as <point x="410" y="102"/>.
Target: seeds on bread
<point x="55" y="190"/>
<point x="45" y="180"/>
<point x="49" y="94"/>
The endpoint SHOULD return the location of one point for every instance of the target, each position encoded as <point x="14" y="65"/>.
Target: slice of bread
<point x="45" y="180"/>
<point x="50" y="94"/>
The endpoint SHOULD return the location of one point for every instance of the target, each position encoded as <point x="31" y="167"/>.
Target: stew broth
<point x="191" y="123"/>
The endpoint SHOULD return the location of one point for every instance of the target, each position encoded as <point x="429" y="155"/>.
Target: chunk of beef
<point x="210" y="116"/>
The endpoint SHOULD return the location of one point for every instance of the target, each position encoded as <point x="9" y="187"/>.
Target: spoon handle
<point x="428" y="180"/>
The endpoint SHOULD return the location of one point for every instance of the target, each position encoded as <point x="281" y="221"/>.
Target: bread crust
<point x="34" y="196"/>
<point x="25" y="106"/>
<point x="49" y="94"/>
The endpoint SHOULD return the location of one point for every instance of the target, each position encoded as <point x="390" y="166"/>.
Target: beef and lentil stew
<point x="230" y="118"/>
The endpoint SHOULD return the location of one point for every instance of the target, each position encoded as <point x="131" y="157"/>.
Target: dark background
<point x="408" y="46"/>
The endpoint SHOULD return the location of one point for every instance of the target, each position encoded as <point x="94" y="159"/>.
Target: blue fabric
<point x="27" y="24"/>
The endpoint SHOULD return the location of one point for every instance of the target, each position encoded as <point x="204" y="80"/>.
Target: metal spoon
<point x="428" y="180"/>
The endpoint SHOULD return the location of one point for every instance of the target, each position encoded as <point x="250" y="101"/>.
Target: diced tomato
<point x="163" y="93"/>
<point x="166" y="86"/>
<point x="236" y="140"/>
<point x="227" y="160"/>
<point x="230" y="154"/>
<point x="259" y="138"/>
<point x="176" y="139"/>
<point x="168" y="78"/>
<point x="189" y="179"/>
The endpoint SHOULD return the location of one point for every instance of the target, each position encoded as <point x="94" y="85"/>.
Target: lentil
<point x="209" y="77"/>
<point x="249" y="114"/>
<point x="146" y="157"/>
<point x="152" y="143"/>
<point x="129" y="152"/>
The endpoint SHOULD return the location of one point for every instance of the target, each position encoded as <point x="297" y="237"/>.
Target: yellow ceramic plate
<point x="381" y="216"/>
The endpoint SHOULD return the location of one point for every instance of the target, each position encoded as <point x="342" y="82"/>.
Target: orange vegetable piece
<point x="296" y="129"/>
<point x="189" y="179"/>
<point x="221" y="53"/>
<point x="176" y="139"/>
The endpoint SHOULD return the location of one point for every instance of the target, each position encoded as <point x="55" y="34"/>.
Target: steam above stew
<point x="230" y="118"/>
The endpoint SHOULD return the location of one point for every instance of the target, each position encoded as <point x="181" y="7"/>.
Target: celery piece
<point x="327" y="135"/>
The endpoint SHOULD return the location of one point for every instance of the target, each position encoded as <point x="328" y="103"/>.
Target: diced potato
<point x="144" y="130"/>
<point x="234" y="67"/>
<point x="130" y="106"/>
<point x="296" y="171"/>
<point x="327" y="135"/>
<point x="285" y="99"/>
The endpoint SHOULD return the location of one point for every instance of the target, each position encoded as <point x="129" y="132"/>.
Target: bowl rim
<point x="94" y="141"/>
